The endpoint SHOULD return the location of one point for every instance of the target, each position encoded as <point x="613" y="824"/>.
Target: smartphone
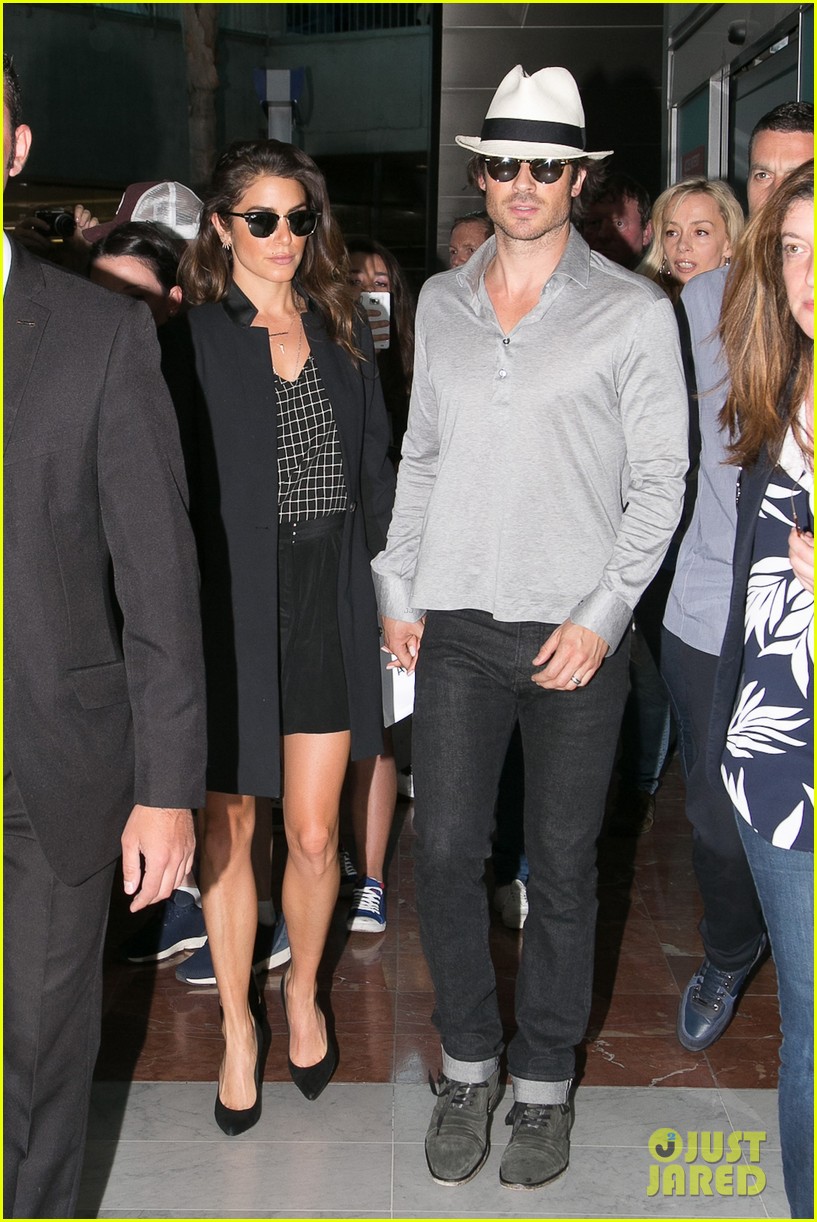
<point x="378" y="307"/>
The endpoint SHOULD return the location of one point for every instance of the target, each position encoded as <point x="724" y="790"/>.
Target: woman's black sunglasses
<point x="263" y="224"/>
<point x="504" y="169"/>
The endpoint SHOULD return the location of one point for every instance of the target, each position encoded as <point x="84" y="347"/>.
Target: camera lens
<point x="64" y="225"/>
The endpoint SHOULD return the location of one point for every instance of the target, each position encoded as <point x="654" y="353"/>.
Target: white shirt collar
<point x="6" y="260"/>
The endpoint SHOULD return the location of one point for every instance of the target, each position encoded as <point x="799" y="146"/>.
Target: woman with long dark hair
<point x="291" y="489"/>
<point x="765" y="682"/>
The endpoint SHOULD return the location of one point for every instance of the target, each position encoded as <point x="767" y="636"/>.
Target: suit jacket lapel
<point x="24" y="323"/>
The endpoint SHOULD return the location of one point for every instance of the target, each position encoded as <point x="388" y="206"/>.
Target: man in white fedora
<point x="541" y="481"/>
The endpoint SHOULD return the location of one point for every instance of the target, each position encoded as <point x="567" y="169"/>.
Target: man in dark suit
<point x="103" y="681"/>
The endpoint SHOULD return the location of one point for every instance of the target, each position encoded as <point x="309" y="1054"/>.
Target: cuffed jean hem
<point x="525" y="1090"/>
<point x="468" y="1071"/>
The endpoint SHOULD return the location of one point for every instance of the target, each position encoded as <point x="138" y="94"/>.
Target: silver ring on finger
<point x="575" y="679"/>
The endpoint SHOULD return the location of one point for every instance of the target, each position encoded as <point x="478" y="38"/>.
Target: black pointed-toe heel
<point x="234" y="1121"/>
<point x="310" y="1079"/>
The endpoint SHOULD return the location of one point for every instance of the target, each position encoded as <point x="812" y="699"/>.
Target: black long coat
<point x="228" y="420"/>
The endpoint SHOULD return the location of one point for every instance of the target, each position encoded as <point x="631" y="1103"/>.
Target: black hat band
<point x="533" y="130"/>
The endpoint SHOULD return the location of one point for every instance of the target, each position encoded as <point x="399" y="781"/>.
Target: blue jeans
<point x="732" y="924"/>
<point x="473" y="682"/>
<point x="785" y="884"/>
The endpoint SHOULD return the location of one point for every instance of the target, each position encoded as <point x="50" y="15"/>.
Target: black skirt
<point x="313" y="688"/>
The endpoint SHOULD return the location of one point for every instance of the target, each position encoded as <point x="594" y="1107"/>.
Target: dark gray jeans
<point x="473" y="682"/>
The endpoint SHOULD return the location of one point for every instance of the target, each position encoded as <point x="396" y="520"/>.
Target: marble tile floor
<point x="357" y="1152"/>
<point x="378" y="991"/>
<point x="152" y="1152"/>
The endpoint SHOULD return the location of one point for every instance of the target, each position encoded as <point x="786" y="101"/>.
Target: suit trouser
<point x="732" y="924"/>
<point x="53" y="939"/>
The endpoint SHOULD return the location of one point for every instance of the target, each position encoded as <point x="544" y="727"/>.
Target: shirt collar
<point x="7" y="256"/>
<point x="574" y="263"/>
<point x="242" y="311"/>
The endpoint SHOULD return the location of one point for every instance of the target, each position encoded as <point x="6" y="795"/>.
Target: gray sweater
<point x="542" y="471"/>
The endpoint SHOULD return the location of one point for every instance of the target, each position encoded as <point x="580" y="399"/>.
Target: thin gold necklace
<point x="276" y="334"/>
<point x="297" y="355"/>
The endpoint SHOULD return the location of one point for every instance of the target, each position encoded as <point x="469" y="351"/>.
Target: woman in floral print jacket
<point x="762" y="739"/>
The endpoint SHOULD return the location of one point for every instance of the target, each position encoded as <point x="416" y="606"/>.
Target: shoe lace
<point x="367" y="899"/>
<point x="458" y="1095"/>
<point x="529" y="1116"/>
<point x="713" y="985"/>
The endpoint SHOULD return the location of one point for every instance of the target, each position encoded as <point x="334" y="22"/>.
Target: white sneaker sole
<point x="176" y="949"/>
<point x="364" y="924"/>
<point x="277" y="960"/>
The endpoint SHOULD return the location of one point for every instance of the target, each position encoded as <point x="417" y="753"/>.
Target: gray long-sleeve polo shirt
<point x="542" y="470"/>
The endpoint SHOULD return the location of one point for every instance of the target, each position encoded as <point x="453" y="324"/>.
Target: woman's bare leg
<point x="231" y="915"/>
<point x="373" y="798"/>
<point x="314" y="768"/>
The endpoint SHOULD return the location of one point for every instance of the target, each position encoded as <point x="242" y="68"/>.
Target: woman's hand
<point x="801" y="555"/>
<point x="403" y="640"/>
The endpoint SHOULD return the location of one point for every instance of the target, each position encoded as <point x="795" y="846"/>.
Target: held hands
<point x="403" y="640"/>
<point x="165" y="839"/>
<point x="801" y="555"/>
<point x="571" y="653"/>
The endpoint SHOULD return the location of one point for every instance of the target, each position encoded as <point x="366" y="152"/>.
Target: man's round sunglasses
<point x="263" y="224"/>
<point x="504" y="169"/>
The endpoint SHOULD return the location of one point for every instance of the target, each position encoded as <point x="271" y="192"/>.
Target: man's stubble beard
<point x="547" y="225"/>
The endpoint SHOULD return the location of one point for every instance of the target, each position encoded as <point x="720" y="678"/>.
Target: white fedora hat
<point x="534" y="116"/>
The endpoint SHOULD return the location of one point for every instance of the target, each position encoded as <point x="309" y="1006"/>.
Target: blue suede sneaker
<point x="367" y="913"/>
<point x="708" y="1002"/>
<point x="177" y="924"/>
<point x="271" y="950"/>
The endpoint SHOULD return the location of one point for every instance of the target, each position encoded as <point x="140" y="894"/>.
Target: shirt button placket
<point x="503" y="373"/>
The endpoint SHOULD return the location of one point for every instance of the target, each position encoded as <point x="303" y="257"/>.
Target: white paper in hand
<point x="398" y="691"/>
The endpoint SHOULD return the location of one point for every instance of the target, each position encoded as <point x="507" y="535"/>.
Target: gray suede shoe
<point x="539" y="1148"/>
<point x="457" y="1139"/>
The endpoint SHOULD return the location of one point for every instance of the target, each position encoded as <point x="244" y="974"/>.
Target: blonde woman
<point x="696" y="225"/>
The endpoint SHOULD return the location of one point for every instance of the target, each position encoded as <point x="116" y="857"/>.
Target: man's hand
<point x="34" y="234"/>
<point x="571" y="653"/>
<point x="801" y="555"/>
<point x="165" y="839"/>
<point x="83" y="219"/>
<point x="403" y="640"/>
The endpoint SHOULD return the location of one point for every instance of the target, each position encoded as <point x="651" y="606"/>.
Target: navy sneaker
<point x="271" y="946"/>
<point x="367" y="913"/>
<point x="708" y="1002"/>
<point x="348" y="873"/>
<point x="177" y="924"/>
<point x="271" y="950"/>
